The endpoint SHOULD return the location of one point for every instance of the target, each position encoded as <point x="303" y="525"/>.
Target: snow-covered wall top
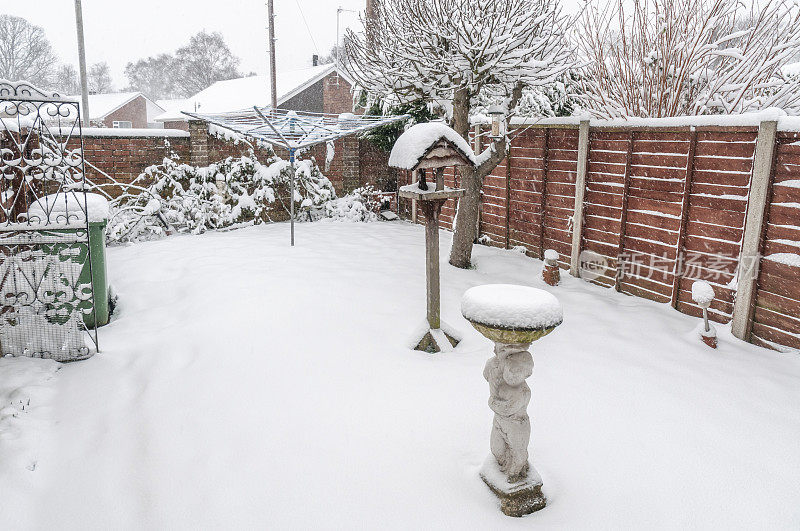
<point x="110" y="132"/>
<point x="415" y="142"/>
<point x="13" y="125"/>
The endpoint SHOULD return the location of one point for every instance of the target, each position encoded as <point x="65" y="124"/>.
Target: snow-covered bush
<point x="176" y="196"/>
<point x="362" y="204"/>
<point x="558" y="98"/>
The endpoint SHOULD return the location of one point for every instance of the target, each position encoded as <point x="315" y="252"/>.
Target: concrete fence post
<point x="580" y="191"/>
<point x="749" y="259"/>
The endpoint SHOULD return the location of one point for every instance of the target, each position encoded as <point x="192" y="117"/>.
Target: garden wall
<point x="662" y="206"/>
<point x="124" y="154"/>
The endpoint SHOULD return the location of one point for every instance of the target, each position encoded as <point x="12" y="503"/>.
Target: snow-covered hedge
<point x="362" y="204"/>
<point x="175" y="196"/>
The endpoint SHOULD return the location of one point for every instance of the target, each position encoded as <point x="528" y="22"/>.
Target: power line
<point x="303" y="16"/>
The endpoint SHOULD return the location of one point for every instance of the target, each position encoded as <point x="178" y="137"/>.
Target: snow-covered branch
<point x="659" y="58"/>
<point x="446" y="52"/>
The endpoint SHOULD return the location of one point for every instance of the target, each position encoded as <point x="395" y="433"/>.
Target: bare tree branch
<point x="658" y="58"/>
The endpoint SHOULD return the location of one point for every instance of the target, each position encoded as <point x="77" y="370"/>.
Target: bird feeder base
<point x="436" y="340"/>
<point x="518" y="498"/>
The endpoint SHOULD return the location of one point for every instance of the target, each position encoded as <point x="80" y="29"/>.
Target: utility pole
<point x="337" y="50"/>
<point x="82" y="63"/>
<point x="274" y="88"/>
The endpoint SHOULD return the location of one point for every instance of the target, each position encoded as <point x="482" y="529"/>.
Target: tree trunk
<point x="461" y="113"/>
<point x="466" y="229"/>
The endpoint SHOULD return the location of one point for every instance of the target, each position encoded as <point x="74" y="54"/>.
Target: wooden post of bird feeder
<point x="424" y="148"/>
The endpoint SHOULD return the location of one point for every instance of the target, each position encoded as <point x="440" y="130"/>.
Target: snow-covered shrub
<point x="362" y="204"/>
<point x="176" y="196"/>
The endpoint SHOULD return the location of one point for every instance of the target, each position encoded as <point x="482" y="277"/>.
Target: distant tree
<point x="450" y="53"/>
<point x="203" y="62"/>
<point x="99" y="78"/>
<point x="330" y="57"/>
<point x="65" y="80"/>
<point x="155" y="76"/>
<point x="655" y="58"/>
<point x="25" y="52"/>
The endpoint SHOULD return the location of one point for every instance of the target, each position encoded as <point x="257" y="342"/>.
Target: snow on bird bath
<point x="511" y="307"/>
<point x="414" y="143"/>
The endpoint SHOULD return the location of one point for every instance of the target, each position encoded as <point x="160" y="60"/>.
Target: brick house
<point x="123" y="110"/>
<point x="320" y="88"/>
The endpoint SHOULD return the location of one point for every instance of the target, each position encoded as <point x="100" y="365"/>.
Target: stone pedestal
<point x="516" y="499"/>
<point x="512" y="328"/>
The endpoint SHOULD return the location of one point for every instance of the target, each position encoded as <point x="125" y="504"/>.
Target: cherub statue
<point x="506" y="373"/>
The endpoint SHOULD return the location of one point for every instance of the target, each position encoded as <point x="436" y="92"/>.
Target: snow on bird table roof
<point x="511" y="307"/>
<point x="414" y="144"/>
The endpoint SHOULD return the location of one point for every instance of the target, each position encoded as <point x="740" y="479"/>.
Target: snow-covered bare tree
<point x="65" y="80"/>
<point x="447" y="53"/>
<point x="25" y="52"/>
<point x="654" y="58"/>
<point x="155" y="76"/>
<point x="99" y="78"/>
<point x="204" y="61"/>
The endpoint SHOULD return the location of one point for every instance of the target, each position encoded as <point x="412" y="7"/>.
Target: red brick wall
<point x="135" y="111"/>
<point x="374" y="166"/>
<point x="182" y="125"/>
<point x="337" y="96"/>
<point x="125" y="157"/>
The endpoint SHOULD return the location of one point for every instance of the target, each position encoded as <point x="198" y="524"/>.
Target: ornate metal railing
<point x="47" y="306"/>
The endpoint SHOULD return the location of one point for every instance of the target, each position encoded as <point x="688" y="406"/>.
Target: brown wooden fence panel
<point x="559" y="204"/>
<point x="529" y="160"/>
<point x="605" y="180"/>
<point x="777" y="313"/>
<point x="723" y="165"/>
<point x="658" y="172"/>
<point x="493" y="206"/>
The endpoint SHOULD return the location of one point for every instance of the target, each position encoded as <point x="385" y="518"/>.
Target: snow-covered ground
<point x="245" y="384"/>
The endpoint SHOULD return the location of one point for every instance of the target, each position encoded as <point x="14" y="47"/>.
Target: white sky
<point x="120" y="31"/>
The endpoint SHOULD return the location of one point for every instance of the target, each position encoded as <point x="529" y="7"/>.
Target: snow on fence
<point x="663" y="206"/>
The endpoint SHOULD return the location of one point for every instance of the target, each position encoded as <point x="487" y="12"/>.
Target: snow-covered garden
<point x="246" y="384"/>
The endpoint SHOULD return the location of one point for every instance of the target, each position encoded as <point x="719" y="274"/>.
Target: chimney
<point x="315" y="60"/>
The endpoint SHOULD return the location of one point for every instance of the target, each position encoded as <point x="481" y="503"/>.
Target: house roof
<point x="245" y="92"/>
<point x="101" y="105"/>
<point x="174" y="105"/>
